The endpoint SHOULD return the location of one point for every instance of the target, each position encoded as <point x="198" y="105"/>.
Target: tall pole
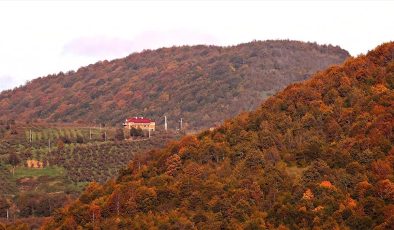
<point x="30" y="136"/>
<point x="90" y="133"/>
<point x="181" y="124"/>
<point x="149" y="132"/>
<point x="117" y="204"/>
<point x="49" y="145"/>
<point x="165" y="123"/>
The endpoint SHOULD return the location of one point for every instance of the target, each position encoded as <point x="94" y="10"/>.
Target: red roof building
<point x="139" y="123"/>
<point x="138" y="120"/>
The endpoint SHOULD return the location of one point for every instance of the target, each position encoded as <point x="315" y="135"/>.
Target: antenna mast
<point x="49" y="145"/>
<point x="165" y="123"/>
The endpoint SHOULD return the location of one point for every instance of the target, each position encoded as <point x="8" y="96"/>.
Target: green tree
<point x="119" y="134"/>
<point x="136" y="132"/>
<point x="13" y="160"/>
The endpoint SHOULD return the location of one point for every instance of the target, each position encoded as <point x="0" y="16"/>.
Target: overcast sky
<point x="40" y="38"/>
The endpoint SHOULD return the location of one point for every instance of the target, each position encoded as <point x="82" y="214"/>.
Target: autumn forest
<point x="277" y="135"/>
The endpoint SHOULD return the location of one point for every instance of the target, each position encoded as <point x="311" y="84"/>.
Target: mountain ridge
<point x="192" y="82"/>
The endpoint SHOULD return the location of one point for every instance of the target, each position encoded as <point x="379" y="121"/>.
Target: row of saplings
<point x="14" y="160"/>
<point x="99" y="162"/>
<point x="30" y="204"/>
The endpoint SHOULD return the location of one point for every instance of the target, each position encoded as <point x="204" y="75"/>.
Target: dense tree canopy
<point x="201" y="84"/>
<point x="317" y="155"/>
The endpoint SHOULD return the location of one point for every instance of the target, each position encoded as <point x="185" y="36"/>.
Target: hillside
<point x="54" y="162"/>
<point x="317" y="155"/>
<point x="202" y="84"/>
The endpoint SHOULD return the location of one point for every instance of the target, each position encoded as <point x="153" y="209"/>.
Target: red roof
<point x="139" y="120"/>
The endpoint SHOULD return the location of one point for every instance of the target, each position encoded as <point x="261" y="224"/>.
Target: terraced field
<point x="57" y="161"/>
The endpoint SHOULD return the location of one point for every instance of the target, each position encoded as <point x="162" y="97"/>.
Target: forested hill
<point x="318" y="155"/>
<point x="202" y="84"/>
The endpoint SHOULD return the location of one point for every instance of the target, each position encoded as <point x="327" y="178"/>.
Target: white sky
<point x="43" y="37"/>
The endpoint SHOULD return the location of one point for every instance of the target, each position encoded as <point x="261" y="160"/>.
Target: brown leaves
<point x="382" y="169"/>
<point x="173" y="164"/>
<point x="385" y="189"/>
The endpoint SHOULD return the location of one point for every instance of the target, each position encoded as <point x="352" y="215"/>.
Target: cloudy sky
<point x="43" y="37"/>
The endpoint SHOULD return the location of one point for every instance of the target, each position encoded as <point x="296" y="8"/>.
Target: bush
<point x="80" y="139"/>
<point x="119" y="134"/>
